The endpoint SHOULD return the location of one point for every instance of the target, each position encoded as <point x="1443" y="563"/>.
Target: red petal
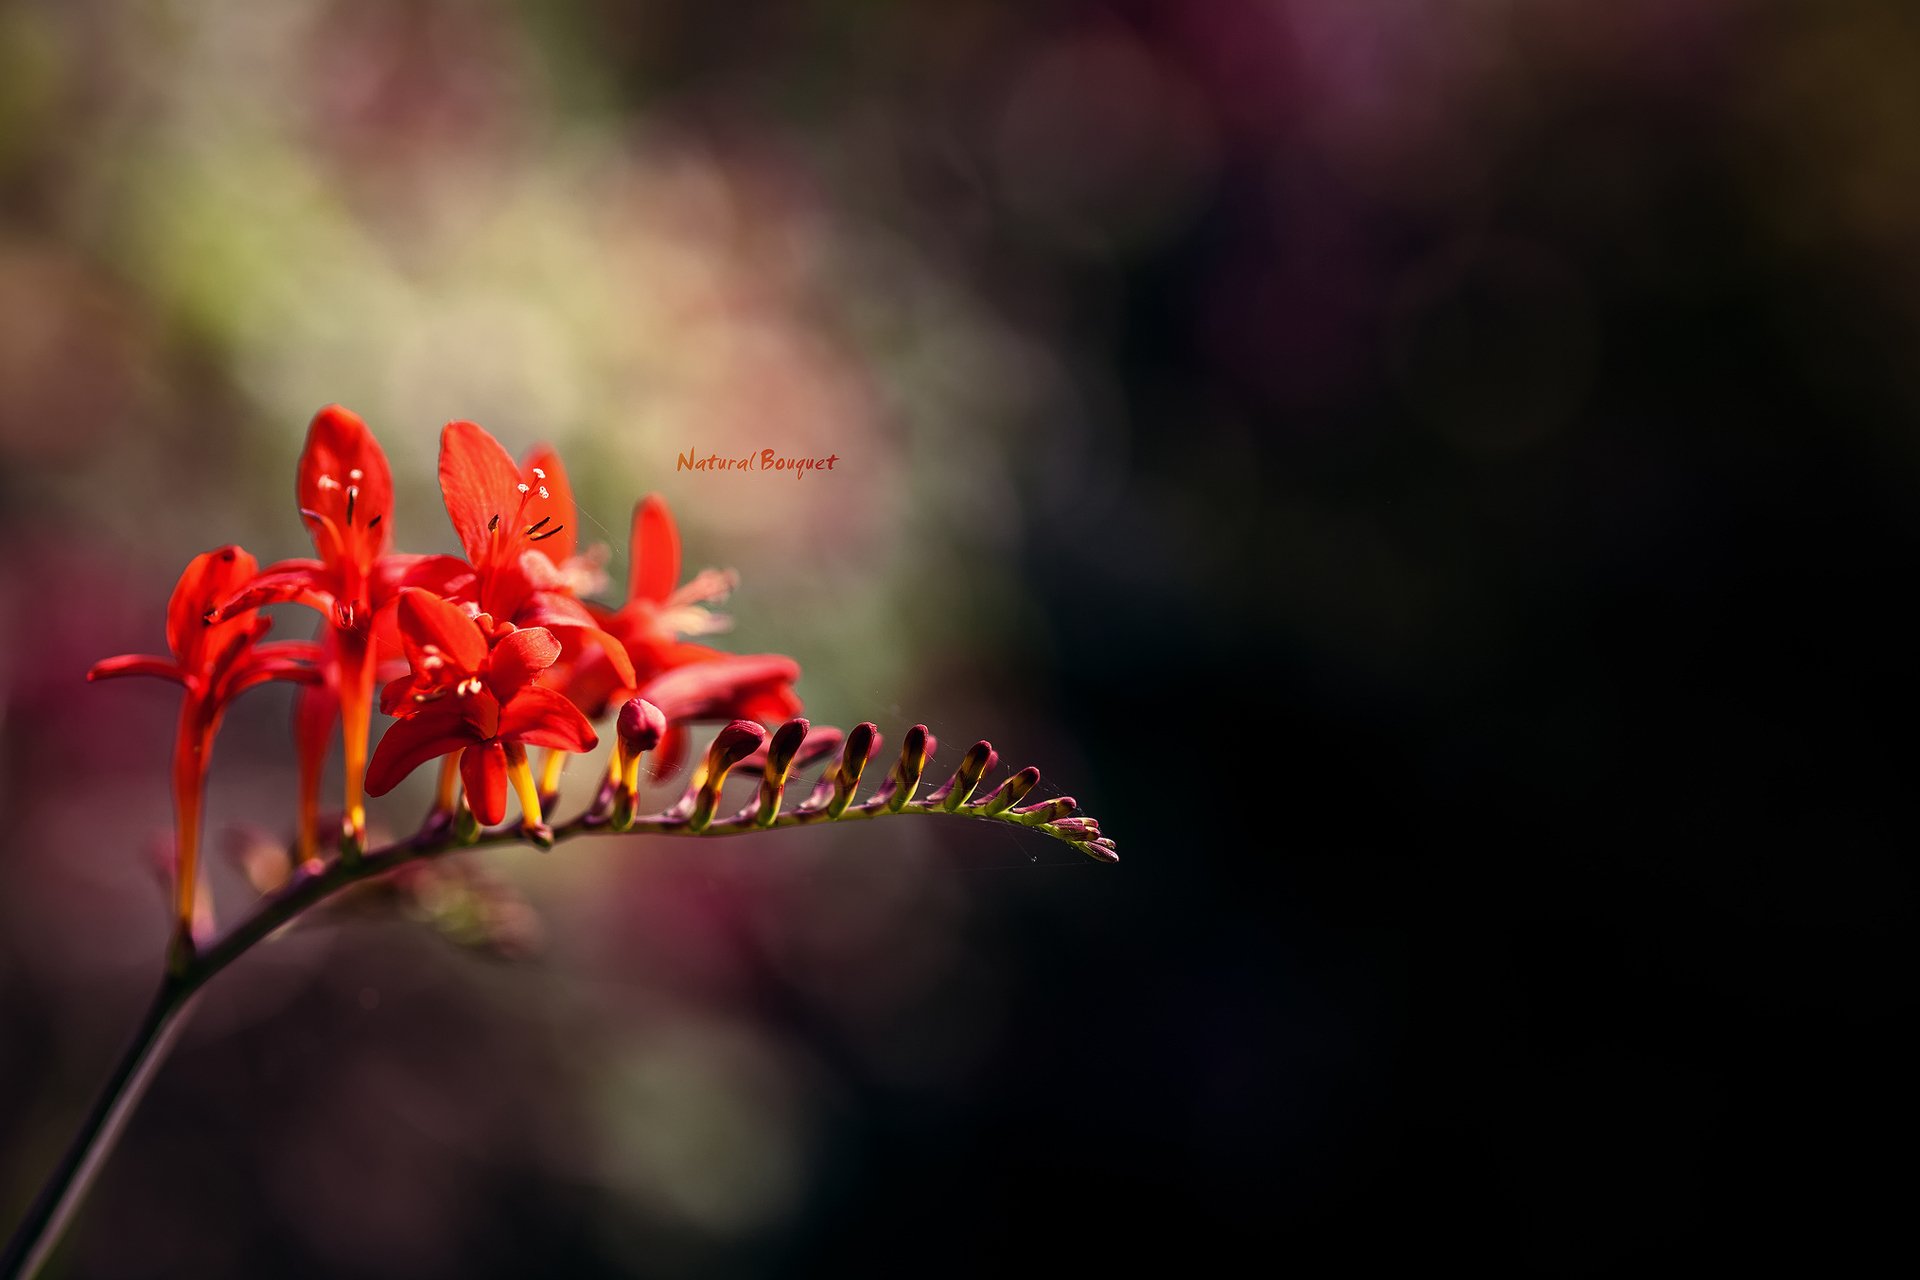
<point x="478" y="481"/>
<point x="655" y="551"/>
<point x="483" y="768"/>
<point x="394" y="695"/>
<point x="515" y="660"/>
<point x="540" y="717"/>
<point x="411" y="742"/>
<point x="291" y="581"/>
<point x="428" y="621"/>
<point x="725" y="688"/>
<point x="448" y="576"/>
<point x="558" y="507"/>
<point x="135" y="664"/>
<point x="616" y="654"/>
<point x="295" y="660"/>
<point x="574" y="627"/>
<point x="208" y="580"/>
<point x="338" y="445"/>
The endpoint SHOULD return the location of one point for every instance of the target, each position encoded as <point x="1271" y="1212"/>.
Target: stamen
<point x="543" y="491"/>
<point x="356" y="475"/>
<point x="538" y="474"/>
<point x="327" y="482"/>
<point x="524" y="488"/>
<point x="375" y="522"/>
<point x="542" y="537"/>
<point x="493" y="524"/>
<point x="353" y="492"/>
<point x="535" y="526"/>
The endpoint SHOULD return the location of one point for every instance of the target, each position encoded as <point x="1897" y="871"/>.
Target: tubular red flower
<point x="472" y="689"/>
<point x="216" y="657"/>
<point x="344" y="491"/>
<point x="516" y="525"/>
<point x="687" y="681"/>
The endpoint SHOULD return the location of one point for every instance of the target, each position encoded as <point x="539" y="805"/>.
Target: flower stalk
<point x="695" y="815"/>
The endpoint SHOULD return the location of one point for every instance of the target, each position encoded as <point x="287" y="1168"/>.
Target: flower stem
<point x="190" y="966"/>
<point x="40" y="1231"/>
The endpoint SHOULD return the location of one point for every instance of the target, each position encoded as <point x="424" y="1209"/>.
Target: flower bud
<point x="1011" y="792"/>
<point x="844" y="777"/>
<point x="732" y="745"/>
<point x="980" y="757"/>
<point x="780" y="753"/>
<point x="905" y="778"/>
<point x="641" y="726"/>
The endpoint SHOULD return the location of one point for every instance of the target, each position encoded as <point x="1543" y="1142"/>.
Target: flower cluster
<point x="483" y="655"/>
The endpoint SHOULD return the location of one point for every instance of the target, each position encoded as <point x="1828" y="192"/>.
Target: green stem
<point x="51" y="1210"/>
<point x="188" y="970"/>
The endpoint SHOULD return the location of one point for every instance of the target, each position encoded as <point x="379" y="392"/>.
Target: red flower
<point x="688" y="682"/>
<point x="516" y="525"/>
<point x="345" y="494"/>
<point x="214" y="662"/>
<point x="472" y="690"/>
<point x="651" y="626"/>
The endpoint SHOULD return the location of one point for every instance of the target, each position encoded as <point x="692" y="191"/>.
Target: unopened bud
<point x="732" y="745"/>
<point x="905" y="778"/>
<point x="641" y="726"/>
<point x="1011" y="792"/>
<point x="780" y="752"/>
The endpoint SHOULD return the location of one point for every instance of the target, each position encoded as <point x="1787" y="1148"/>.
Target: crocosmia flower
<point x="213" y="662"/>
<point x="471" y="689"/>
<point x="345" y="495"/>
<point x="516" y="525"/>
<point x="688" y="682"/>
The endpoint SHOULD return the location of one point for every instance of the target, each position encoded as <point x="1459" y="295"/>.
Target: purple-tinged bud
<point x="1103" y="849"/>
<point x="732" y="745"/>
<point x="1011" y="792"/>
<point x="980" y="757"/>
<point x="905" y="778"/>
<point x="641" y="726"/>
<point x="1045" y="811"/>
<point x="844" y="778"/>
<point x="781" y="750"/>
<point x="1078" y="828"/>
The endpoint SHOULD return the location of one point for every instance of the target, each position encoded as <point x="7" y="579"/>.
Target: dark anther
<point x="313" y="515"/>
<point x="375" y="522"/>
<point x="535" y="526"/>
<point x="541" y="537"/>
<point x="493" y="524"/>
<point x="353" y="492"/>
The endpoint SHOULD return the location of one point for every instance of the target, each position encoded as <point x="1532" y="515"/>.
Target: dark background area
<point x="1464" y="539"/>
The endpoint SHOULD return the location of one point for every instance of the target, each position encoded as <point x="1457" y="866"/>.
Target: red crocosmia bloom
<point x="471" y="689"/>
<point x="345" y="495"/>
<point x="214" y="662"/>
<point x="651" y="627"/>
<point x="688" y="682"/>
<point x="516" y="525"/>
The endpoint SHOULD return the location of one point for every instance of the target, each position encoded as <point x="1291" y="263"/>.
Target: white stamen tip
<point x="523" y="488"/>
<point x="538" y="474"/>
<point x="328" y="482"/>
<point x="543" y="491"/>
<point x="356" y="475"/>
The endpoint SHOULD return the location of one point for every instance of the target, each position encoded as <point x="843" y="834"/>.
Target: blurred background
<point x="1435" y="478"/>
